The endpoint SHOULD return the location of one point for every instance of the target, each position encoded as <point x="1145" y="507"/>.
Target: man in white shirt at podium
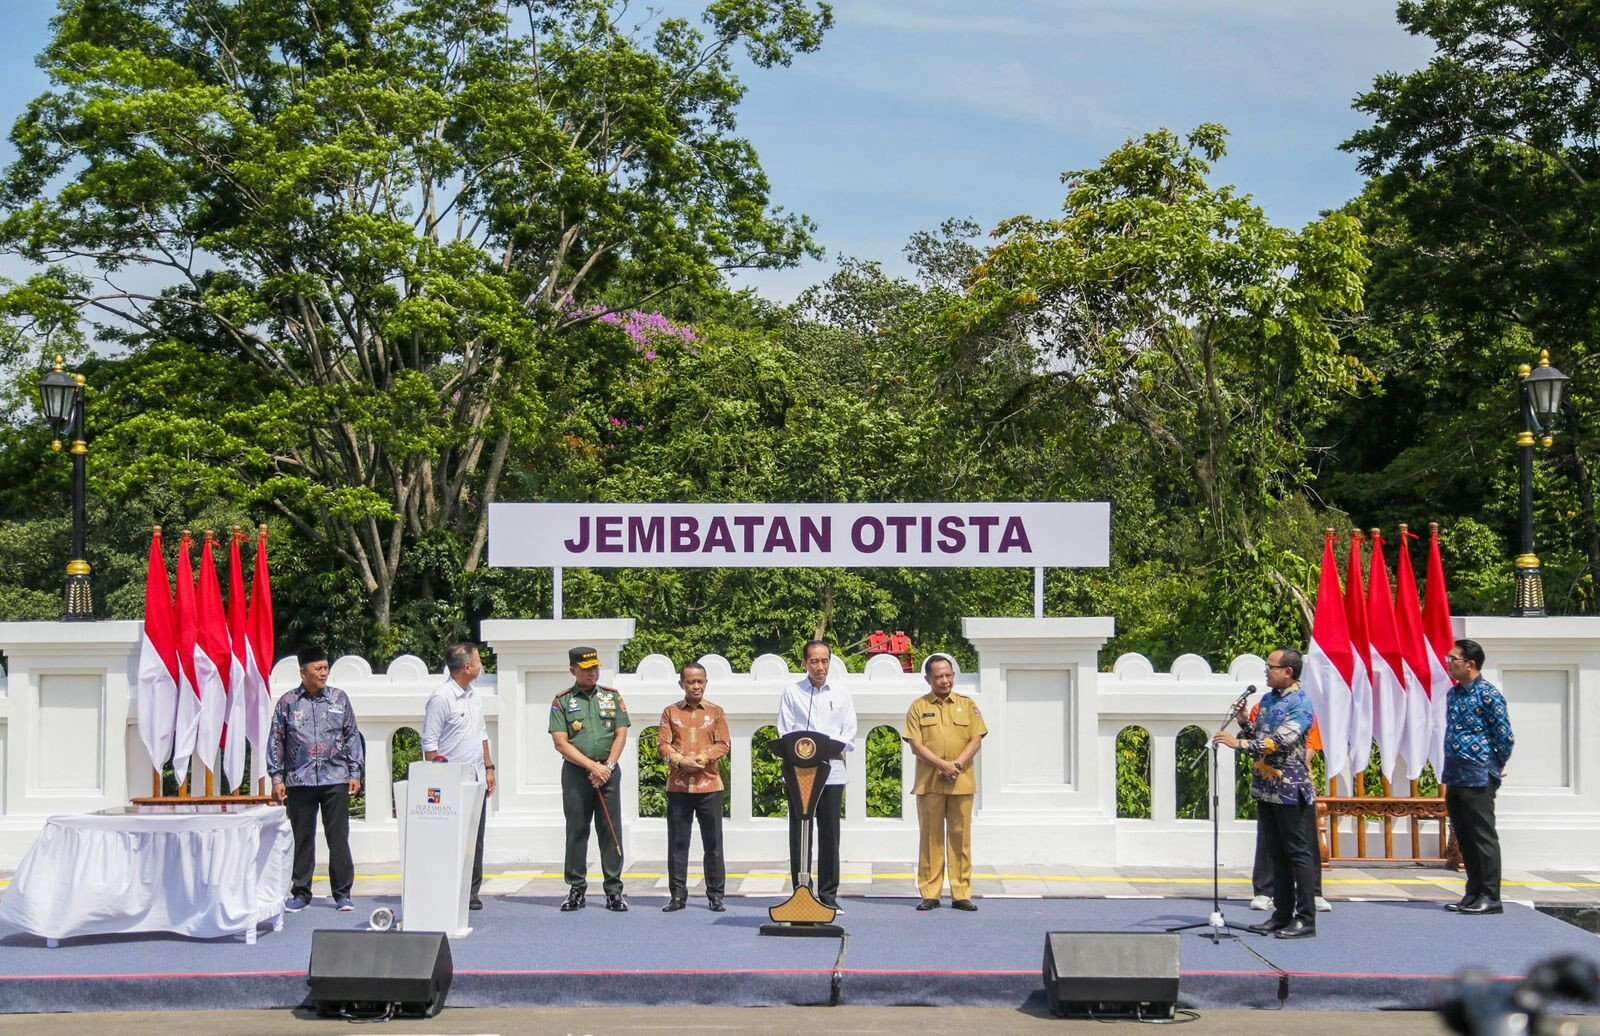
<point x="827" y="708"/>
<point x="453" y="731"/>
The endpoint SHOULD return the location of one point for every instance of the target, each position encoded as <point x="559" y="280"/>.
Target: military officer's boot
<point x="616" y="902"/>
<point x="574" y="899"/>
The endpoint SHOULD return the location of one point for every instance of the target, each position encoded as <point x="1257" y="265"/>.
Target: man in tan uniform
<point x="944" y="730"/>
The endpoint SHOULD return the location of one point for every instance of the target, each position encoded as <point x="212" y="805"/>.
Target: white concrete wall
<point x="1046" y="775"/>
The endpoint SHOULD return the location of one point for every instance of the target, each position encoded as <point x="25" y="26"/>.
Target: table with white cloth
<point x="203" y="875"/>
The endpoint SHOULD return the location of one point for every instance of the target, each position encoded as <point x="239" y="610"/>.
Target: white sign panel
<point x="936" y="535"/>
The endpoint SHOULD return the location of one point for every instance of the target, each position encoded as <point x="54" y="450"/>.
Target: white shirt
<point x="452" y="725"/>
<point x="828" y="710"/>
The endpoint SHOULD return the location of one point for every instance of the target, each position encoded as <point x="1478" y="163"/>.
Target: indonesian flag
<point x="1441" y="638"/>
<point x="235" y="733"/>
<point x="1414" y="650"/>
<point x="263" y="654"/>
<point x="156" y="699"/>
<point x="1355" y="613"/>
<point x="213" y="660"/>
<point x="188" y="727"/>
<point x="1330" y="666"/>
<point x="1388" y="692"/>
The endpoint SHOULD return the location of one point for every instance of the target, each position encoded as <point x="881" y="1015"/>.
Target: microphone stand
<point x="1220" y="927"/>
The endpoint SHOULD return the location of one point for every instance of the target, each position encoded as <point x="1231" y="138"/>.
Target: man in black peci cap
<point x="315" y="755"/>
<point x="589" y="725"/>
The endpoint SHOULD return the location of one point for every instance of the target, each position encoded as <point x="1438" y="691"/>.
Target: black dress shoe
<point x="1482" y="906"/>
<point x="714" y="904"/>
<point x="928" y="904"/>
<point x="963" y="904"/>
<point x="1270" y="925"/>
<point x="672" y="905"/>
<point x="574" y="900"/>
<point x="474" y="903"/>
<point x="1458" y="904"/>
<point x="617" y="903"/>
<point x="1296" y="930"/>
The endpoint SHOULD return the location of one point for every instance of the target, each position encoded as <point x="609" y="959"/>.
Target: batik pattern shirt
<point x="1477" y="735"/>
<point x="1282" y="772"/>
<point x="694" y="730"/>
<point x="314" y="740"/>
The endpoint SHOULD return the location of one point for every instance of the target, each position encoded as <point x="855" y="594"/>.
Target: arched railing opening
<point x="1133" y="773"/>
<point x="1193" y="774"/>
<point x="883" y="772"/>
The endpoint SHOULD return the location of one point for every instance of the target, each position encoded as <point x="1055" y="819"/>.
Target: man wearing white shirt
<point x="453" y="730"/>
<point x="815" y="704"/>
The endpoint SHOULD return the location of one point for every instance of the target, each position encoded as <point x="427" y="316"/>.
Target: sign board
<point x="927" y="535"/>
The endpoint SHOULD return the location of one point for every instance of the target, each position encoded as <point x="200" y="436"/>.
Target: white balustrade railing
<point x="1047" y="772"/>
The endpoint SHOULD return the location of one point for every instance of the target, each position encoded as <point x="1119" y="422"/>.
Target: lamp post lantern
<point x="64" y="401"/>
<point x="1541" y="390"/>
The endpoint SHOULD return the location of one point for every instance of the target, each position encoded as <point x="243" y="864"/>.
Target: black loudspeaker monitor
<point x="1111" y="974"/>
<point x="379" y="973"/>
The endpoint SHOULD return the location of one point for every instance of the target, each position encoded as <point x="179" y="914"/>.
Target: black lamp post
<point x="64" y="403"/>
<point x="1541" y="401"/>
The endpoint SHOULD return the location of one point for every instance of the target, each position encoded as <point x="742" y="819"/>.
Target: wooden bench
<point x="1387" y="807"/>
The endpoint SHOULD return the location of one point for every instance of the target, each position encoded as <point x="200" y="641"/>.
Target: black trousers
<point x="302" y="805"/>
<point x="683" y="808"/>
<point x="1261" y="870"/>
<point x="1472" y="815"/>
<point x="1290" y="833"/>
<point x="826" y="844"/>
<point x="580" y="802"/>
<point x="477" y="857"/>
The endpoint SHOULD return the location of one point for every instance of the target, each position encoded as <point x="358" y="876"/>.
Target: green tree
<point x="1483" y="216"/>
<point x="1202" y="337"/>
<point x="403" y="220"/>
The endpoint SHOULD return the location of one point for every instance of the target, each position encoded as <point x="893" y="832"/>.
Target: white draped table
<point x="203" y="875"/>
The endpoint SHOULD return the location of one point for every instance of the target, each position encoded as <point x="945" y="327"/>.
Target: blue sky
<point x="919" y="110"/>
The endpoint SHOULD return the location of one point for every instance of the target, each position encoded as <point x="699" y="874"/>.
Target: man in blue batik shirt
<point x="1477" y="746"/>
<point x="315" y="755"/>
<point x="1286" y="813"/>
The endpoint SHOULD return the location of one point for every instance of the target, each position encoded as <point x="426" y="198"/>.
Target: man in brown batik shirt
<point x="693" y="737"/>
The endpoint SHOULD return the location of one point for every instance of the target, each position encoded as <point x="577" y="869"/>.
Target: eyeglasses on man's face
<point x="1271" y="667"/>
<point x="1454" y="659"/>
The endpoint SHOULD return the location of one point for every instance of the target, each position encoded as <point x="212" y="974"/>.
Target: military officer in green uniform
<point x="589" y="725"/>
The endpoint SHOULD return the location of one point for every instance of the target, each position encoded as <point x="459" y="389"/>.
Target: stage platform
<point x="525" y="952"/>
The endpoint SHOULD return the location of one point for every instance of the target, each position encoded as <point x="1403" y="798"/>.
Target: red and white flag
<point x="1355" y="613"/>
<point x="188" y="726"/>
<point x="1388" y="690"/>
<point x="1330" y="666"/>
<point x="262" y="639"/>
<point x="156" y="701"/>
<point x="1441" y="638"/>
<point x="213" y="660"/>
<point x="235" y="731"/>
<point x="1414" y="650"/>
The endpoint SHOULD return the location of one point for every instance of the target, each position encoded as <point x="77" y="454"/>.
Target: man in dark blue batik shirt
<point x="1477" y="746"/>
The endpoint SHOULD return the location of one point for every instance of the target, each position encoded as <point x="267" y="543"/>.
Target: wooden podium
<point x="806" y="755"/>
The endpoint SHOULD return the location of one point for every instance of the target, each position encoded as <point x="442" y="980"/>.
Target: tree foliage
<point x="400" y="220"/>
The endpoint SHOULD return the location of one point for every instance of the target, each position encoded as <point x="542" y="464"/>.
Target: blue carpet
<point x="526" y="952"/>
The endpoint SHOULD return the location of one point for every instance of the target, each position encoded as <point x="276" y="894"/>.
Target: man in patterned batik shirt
<point x="1286" y="812"/>
<point x="1477" y="746"/>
